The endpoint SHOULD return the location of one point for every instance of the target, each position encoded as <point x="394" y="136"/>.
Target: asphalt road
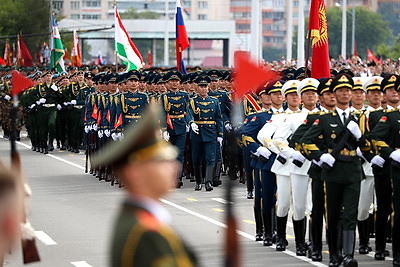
<point x="73" y="214"/>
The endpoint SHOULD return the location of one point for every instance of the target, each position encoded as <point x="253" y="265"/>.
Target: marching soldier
<point x="174" y="105"/>
<point x="385" y="139"/>
<point x="264" y="179"/>
<point x="382" y="175"/>
<point x="205" y="120"/>
<point x="342" y="171"/>
<point x="328" y="102"/>
<point x="298" y="166"/>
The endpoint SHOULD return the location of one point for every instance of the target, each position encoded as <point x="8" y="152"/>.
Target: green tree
<point x="387" y="12"/>
<point x="371" y="31"/>
<point x="133" y="13"/>
<point x="392" y="52"/>
<point x="26" y="17"/>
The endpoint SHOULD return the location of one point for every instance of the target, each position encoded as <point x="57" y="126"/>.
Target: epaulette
<point x="252" y="113"/>
<point x="262" y="111"/>
<point x="148" y="220"/>
<point x="316" y="113"/>
<point x="392" y="110"/>
<point x="328" y="112"/>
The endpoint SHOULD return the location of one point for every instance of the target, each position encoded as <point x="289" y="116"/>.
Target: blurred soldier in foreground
<point x="147" y="165"/>
<point x="9" y="212"/>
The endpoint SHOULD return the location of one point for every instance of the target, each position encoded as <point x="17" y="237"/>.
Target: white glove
<point x="65" y="103"/>
<point x="187" y="128"/>
<point x="319" y="163"/>
<point x="73" y="102"/>
<point x="107" y="133"/>
<point x="228" y="126"/>
<point x="395" y="155"/>
<point x="94" y="127"/>
<point x="328" y="159"/>
<point x="354" y="129"/>
<point x="32" y="106"/>
<point x="166" y="136"/>
<point x="38" y="103"/>
<point x="86" y="129"/>
<point x="263" y="151"/>
<point x="54" y="87"/>
<point x="194" y="127"/>
<point x="378" y="161"/>
<point x="219" y="140"/>
<point x="59" y="107"/>
<point x="42" y="100"/>
<point x="298" y="156"/>
<point x="114" y="136"/>
<point x="360" y="154"/>
<point x="121" y="136"/>
<point x="7" y="97"/>
<point x="100" y="134"/>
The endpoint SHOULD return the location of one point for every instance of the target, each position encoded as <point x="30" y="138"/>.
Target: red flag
<point x="66" y="55"/>
<point x="169" y="122"/>
<point x="182" y="40"/>
<point x="23" y="56"/>
<point x="95" y="111"/>
<point x="318" y="27"/>
<point x="8" y="54"/>
<point x="76" y="58"/>
<point x="20" y="83"/>
<point x="371" y="56"/>
<point x="149" y="58"/>
<point x="99" y="118"/>
<point x="248" y="75"/>
<point x="355" y="50"/>
<point x="118" y="122"/>
<point x="108" y="116"/>
<point x="2" y="62"/>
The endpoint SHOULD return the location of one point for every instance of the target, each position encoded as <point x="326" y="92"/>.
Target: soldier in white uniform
<point x="299" y="179"/>
<point x="281" y="166"/>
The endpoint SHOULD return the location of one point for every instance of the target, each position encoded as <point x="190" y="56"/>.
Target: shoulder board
<point x="316" y="113"/>
<point x="148" y="220"/>
<point x="262" y="111"/>
<point x="252" y="113"/>
<point x="333" y="113"/>
<point x="392" y="110"/>
<point x="375" y="110"/>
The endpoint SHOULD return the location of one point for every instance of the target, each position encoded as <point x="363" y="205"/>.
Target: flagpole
<point x="166" y="36"/>
<point x="289" y="33"/>
<point x="307" y="53"/>
<point x="116" y="53"/>
<point x="300" y="37"/>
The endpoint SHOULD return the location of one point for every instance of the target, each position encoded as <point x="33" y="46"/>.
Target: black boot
<point x="371" y="225"/>
<point x="250" y="184"/>
<point x="267" y="220"/>
<point x="17" y="135"/>
<point x="298" y="227"/>
<point x="332" y="238"/>
<point x="348" y="248"/>
<point x="259" y="224"/>
<point x="179" y="182"/>
<point x="363" y="233"/>
<point x="274" y="235"/>
<point x="217" y="174"/>
<point x="198" y="176"/>
<point x="63" y="147"/>
<point x="209" y="177"/>
<point x="316" y="237"/>
<point x="281" y="241"/>
<point x="389" y="231"/>
<point x="50" y="146"/>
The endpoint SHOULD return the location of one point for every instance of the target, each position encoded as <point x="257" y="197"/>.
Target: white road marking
<point x="220" y="200"/>
<point x="208" y="219"/>
<point x="45" y="238"/>
<point x="81" y="264"/>
<point x="241" y="233"/>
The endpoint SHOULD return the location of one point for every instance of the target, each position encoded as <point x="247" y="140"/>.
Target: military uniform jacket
<point x="254" y="124"/>
<point x="103" y="112"/>
<point x="329" y="127"/>
<point x="175" y="105"/>
<point x="133" y="104"/>
<point x="140" y="239"/>
<point x="52" y="97"/>
<point x="386" y="138"/>
<point x="205" y="112"/>
<point x="91" y="109"/>
<point x="251" y="104"/>
<point x="224" y="102"/>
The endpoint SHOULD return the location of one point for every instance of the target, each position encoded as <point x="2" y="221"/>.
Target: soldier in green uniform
<point x="385" y="138"/>
<point x="342" y="172"/>
<point x="147" y="166"/>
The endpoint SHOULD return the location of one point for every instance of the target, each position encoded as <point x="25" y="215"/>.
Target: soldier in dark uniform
<point x="342" y="178"/>
<point x="205" y="120"/>
<point x="49" y="103"/>
<point x="385" y="141"/>
<point x="146" y="165"/>
<point x="174" y="104"/>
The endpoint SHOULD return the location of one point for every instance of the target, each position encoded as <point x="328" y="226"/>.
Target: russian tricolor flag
<point x="182" y="41"/>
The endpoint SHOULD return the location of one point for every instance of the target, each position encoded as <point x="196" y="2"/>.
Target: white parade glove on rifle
<point x="328" y="159"/>
<point x="263" y="151"/>
<point x="195" y="128"/>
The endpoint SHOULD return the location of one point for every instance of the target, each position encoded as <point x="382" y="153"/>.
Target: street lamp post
<point x="353" y="28"/>
<point x="344" y="28"/>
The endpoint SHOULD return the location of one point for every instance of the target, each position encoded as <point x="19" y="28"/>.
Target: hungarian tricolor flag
<point x="318" y="27"/>
<point x="126" y="49"/>
<point x="24" y="58"/>
<point x="76" y="59"/>
<point x="182" y="41"/>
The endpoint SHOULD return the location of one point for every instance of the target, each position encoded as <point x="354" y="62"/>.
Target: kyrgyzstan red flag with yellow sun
<point x="318" y="27"/>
